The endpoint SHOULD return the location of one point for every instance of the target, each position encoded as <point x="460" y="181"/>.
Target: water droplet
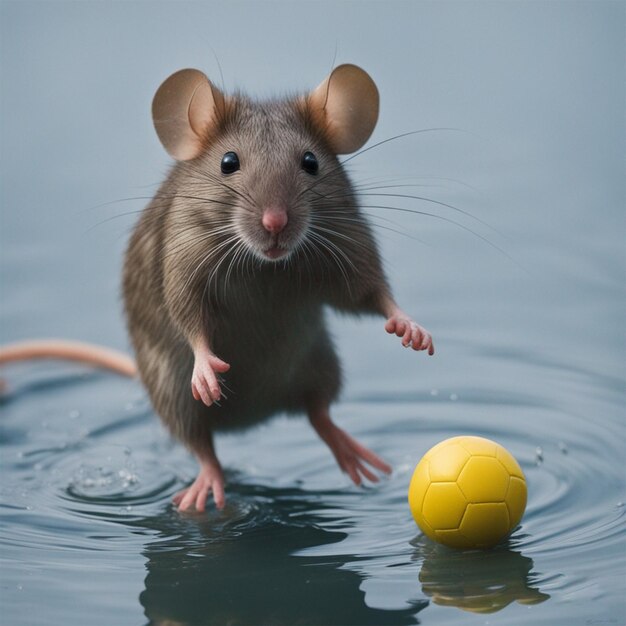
<point x="454" y="397"/>
<point x="128" y="478"/>
<point x="434" y="392"/>
<point x="563" y="447"/>
<point x="620" y="505"/>
<point x="538" y="455"/>
<point x="74" y="414"/>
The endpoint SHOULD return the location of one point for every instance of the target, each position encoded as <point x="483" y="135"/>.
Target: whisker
<point x="204" y="260"/>
<point x="316" y="252"/>
<point x="218" y="264"/>
<point x="341" y="164"/>
<point x="328" y="245"/>
<point x="234" y="261"/>
<point x="341" y="218"/>
<point x="206" y="175"/>
<point x="371" y="186"/>
<point x="450" y="221"/>
<point x="186" y="242"/>
<point x="341" y="235"/>
<point x="423" y="199"/>
<point x="401" y="136"/>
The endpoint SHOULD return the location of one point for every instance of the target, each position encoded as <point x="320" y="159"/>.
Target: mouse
<point x="255" y="233"/>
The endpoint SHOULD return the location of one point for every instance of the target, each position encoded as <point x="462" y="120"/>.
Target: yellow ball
<point x="467" y="492"/>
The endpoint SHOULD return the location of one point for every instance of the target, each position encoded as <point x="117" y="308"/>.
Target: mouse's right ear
<point x="185" y="108"/>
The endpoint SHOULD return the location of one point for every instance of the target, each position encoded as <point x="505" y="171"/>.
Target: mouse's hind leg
<point x="353" y="458"/>
<point x="324" y="380"/>
<point x="323" y="375"/>
<point x="196" y="432"/>
<point x="210" y="479"/>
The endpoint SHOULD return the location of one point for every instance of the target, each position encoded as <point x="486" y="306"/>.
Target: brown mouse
<point x="254" y="232"/>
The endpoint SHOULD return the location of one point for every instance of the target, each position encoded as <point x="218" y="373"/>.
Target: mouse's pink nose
<point x="274" y="220"/>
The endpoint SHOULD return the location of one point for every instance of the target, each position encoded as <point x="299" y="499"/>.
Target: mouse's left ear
<point x="185" y="109"/>
<point x="347" y="103"/>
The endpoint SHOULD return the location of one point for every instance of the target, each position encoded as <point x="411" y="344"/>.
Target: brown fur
<point x="184" y="277"/>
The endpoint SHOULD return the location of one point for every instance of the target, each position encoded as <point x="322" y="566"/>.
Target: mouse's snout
<point x="274" y="220"/>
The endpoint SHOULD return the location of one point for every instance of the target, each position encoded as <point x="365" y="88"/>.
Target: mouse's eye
<point x="230" y="163"/>
<point x="309" y="163"/>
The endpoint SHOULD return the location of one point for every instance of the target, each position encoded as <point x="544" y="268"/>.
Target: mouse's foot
<point x="413" y="335"/>
<point x="352" y="457"/>
<point x="209" y="479"/>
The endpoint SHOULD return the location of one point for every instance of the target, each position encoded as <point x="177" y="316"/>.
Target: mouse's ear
<point x="347" y="101"/>
<point x="185" y="108"/>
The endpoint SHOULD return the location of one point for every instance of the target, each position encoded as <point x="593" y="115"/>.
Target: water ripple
<point x="100" y="483"/>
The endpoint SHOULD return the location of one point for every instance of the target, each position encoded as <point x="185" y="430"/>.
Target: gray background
<point x="530" y="337"/>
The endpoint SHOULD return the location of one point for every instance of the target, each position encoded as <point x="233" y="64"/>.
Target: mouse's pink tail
<point x="69" y="350"/>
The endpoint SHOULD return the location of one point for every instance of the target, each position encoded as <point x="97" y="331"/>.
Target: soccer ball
<point x="467" y="492"/>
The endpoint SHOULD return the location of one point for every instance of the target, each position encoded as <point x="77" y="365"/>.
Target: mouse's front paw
<point x="413" y="335"/>
<point x="204" y="383"/>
